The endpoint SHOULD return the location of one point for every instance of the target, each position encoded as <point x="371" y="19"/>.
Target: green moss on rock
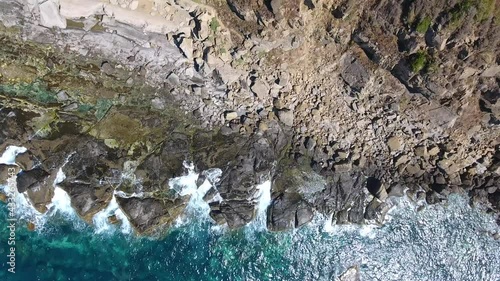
<point x="418" y="61"/>
<point x="423" y="25"/>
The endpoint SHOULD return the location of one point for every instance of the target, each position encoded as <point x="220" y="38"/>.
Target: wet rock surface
<point x="279" y="90"/>
<point x="149" y="214"/>
<point x="90" y="179"/>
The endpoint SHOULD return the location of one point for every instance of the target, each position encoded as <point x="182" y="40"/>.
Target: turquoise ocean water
<point x="441" y="242"/>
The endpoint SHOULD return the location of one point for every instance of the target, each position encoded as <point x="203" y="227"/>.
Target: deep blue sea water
<point x="440" y="242"/>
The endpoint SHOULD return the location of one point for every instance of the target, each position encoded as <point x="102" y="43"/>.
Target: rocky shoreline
<point x="340" y="107"/>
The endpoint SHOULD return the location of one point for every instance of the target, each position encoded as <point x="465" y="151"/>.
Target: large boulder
<point x="38" y="187"/>
<point x="238" y="185"/>
<point x="340" y="192"/>
<point x="355" y="70"/>
<point x="149" y="214"/>
<point x="91" y="175"/>
<point x="288" y="211"/>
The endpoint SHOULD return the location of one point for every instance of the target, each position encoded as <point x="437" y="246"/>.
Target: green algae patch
<point x="36" y="91"/>
<point x="102" y="107"/>
<point x="119" y="127"/>
<point x="74" y="24"/>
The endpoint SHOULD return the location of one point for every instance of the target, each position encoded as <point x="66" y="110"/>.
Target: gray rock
<point x="173" y="80"/>
<point x="354" y="73"/>
<point x="50" y="16"/>
<point x="36" y="184"/>
<point x="340" y="191"/>
<point x="62" y="96"/>
<point x="89" y="178"/>
<point x="376" y="188"/>
<point x="149" y="214"/>
<point x="286" y="116"/>
<point x="376" y="210"/>
<point x="167" y="163"/>
<point x="310" y="143"/>
<point x="261" y="89"/>
<point x="414" y="170"/>
<point x="186" y="46"/>
<point x="158" y="103"/>
<point x="355" y="214"/>
<point x="70" y="107"/>
<point x="253" y="163"/>
<point x="491" y="71"/>
<point x="288" y="211"/>
<point x="396" y="190"/>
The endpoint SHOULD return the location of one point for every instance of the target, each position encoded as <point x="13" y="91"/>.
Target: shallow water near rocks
<point x="441" y="242"/>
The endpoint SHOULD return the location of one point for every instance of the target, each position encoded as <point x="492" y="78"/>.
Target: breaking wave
<point x="451" y="241"/>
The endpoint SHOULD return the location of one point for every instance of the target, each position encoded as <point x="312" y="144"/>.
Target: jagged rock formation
<point x="340" y="103"/>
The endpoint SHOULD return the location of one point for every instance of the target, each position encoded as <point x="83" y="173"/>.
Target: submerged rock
<point x="351" y="274"/>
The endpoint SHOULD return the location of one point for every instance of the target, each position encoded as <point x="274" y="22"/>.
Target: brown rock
<point x="263" y="126"/>
<point x="31" y="226"/>
<point x="113" y="219"/>
<point x="421" y="151"/>
<point x="414" y="170"/>
<point x="231" y="115"/>
<point x="3" y="197"/>
<point x="394" y="143"/>
<point x="402" y="159"/>
<point x="286" y="116"/>
<point x="260" y="89"/>
<point x="433" y="151"/>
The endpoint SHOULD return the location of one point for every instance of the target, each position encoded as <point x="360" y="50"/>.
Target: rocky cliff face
<point x="340" y="103"/>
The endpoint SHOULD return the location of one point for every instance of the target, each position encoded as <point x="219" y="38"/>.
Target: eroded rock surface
<point x="341" y="104"/>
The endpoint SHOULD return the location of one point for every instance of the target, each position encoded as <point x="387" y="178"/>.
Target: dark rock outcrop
<point x="254" y="164"/>
<point x="150" y="214"/>
<point x="91" y="176"/>
<point x="288" y="211"/>
<point x="38" y="187"/>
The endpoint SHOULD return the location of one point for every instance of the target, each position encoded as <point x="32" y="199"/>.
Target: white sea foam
<point x="61" y="204"/>
<point x="186" y="185"/>
<point x="10" y="153"/>
<point x="102" y="224"/>
<point x="125" y="195"/>
<point x="24" y="210"/>
<point x="366" y="230"/>
<point x="328" y="226"/>
<point x="263" y="200"/>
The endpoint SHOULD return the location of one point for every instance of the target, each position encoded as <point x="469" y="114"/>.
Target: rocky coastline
<point x="341" y="104"/>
